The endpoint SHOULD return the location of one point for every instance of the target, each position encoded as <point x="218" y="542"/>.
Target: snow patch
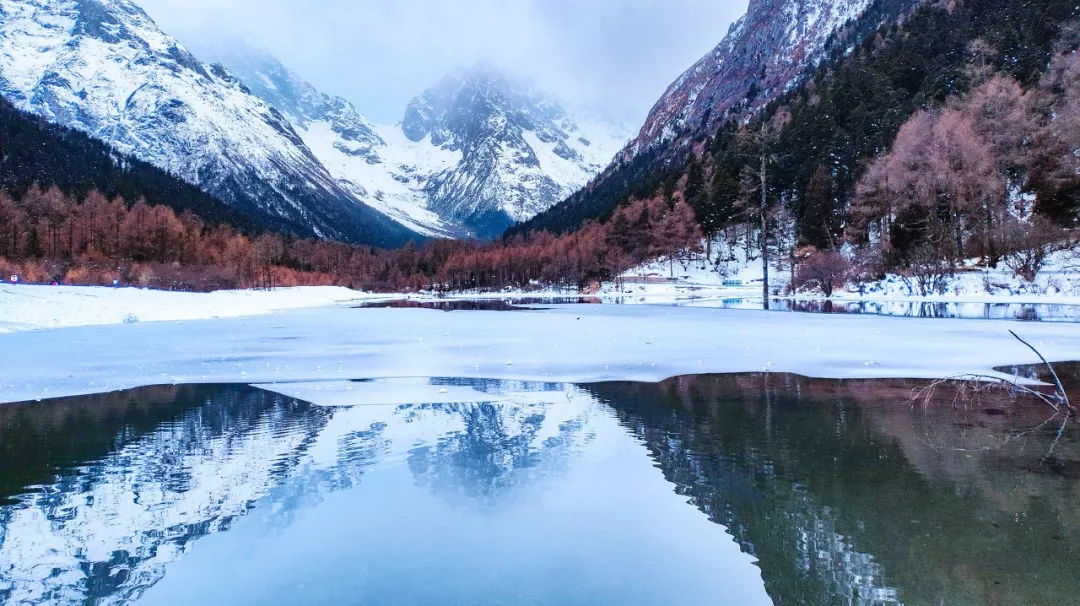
<point x="31" y="307"/>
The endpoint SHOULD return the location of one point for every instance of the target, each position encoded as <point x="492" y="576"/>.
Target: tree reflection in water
<point x="835" y="487"/>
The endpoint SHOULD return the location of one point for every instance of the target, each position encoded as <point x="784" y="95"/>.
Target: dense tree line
<point x="34" y="151"/>
<point x="954" y="182"/>
<point x="49" y="236"/>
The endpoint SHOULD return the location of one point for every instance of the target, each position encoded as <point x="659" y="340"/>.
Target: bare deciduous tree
<point x="826" y="270"/>
<point x="1030" y="244"/>
<point x="928" y="270"/>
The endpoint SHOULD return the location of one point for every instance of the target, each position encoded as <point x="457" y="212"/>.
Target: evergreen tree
<point x="819" y="212"/>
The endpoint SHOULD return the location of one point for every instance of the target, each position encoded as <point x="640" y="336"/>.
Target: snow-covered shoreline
<point x="1057" y="284"/>
<point x="34" y="307"/>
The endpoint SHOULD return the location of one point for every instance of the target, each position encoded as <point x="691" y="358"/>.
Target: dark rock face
<point x="764" y="54"/>
<point x="97" y="21"/>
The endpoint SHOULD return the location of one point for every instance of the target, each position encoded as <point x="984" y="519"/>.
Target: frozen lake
<point x="747" y="489"/>
<point x="561" y="343"/>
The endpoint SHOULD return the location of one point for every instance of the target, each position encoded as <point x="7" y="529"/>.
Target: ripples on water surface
<point x="738" y="489"/>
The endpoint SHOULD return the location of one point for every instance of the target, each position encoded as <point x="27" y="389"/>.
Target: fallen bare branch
<point x="1063" y="397"/>
<point x="972" y="387"/>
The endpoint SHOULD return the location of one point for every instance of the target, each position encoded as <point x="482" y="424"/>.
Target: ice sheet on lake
<point x="564" y="344"/>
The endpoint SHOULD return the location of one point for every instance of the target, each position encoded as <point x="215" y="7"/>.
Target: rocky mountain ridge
<point x="520" y="151"/>
<point x="764" y="55"/>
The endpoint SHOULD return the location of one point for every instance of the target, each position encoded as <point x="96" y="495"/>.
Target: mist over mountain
<point x="473" y="154"/>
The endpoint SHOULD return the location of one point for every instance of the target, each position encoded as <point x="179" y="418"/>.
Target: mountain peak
<point x="521" y="151"/>
<point x="459" y="94"/>
<point x="467" y="97"/>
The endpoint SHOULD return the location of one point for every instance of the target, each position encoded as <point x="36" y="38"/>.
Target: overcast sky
<point x="609" y="56"/>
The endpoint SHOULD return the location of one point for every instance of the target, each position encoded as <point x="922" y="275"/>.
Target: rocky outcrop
<point x="764" y="54"/>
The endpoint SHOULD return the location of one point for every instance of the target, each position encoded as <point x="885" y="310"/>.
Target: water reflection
<point x="847" y="496"/>
<point x="839" y="491"/>
<point x="502" y="304"/>
<point x="1026" y="312"/>
<point x="103" y="492"/>
<point x="495" y="452"/>
<point x="100" y="493"/>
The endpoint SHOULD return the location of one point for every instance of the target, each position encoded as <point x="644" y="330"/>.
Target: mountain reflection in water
<point x="840" y="491"/>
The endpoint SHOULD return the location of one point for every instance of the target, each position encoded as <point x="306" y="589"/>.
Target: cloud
<point x="608" y="56"/>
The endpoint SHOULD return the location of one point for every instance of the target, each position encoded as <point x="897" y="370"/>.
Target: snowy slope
<point x="374" y="167"/>
<point x="472" y="155"/>
<point x="32" y="307"/>
<point x="104" y="67"/>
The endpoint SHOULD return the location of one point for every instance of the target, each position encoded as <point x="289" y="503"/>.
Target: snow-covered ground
<point x="662" y="281"/>
<point x="574" y="343"/>
<point x="29" y="307"/>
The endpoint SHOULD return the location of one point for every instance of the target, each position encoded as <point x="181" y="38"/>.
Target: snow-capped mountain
<point x="519" y="151"/>
<point x="104" y="67"/>
<point x="764" y="54"/>
<point x="344" y="141"/>
<point x="474" y="154"/>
